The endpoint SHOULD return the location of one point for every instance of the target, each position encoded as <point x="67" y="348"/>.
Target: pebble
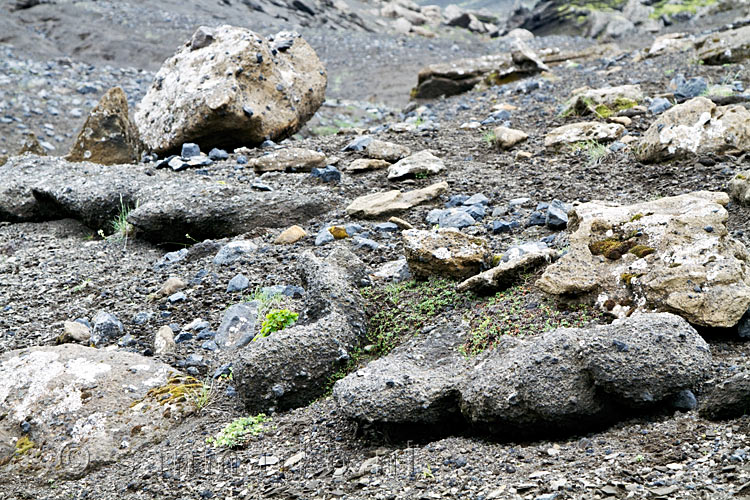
<point x="177" y="297"/>
<point x="218" y="154"/>
<point x="328" y="174"/>
<point x="238" y="283"/>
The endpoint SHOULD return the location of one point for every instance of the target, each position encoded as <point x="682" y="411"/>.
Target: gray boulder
<point x="226" y="104"/>
<point x="90" y="402"/>
<point x="561" y="380"/>
<point x="727" y="399"/>
<point x="291" y="367"/>
<point x="237" y="327"/>
<point x="165" y="206"/>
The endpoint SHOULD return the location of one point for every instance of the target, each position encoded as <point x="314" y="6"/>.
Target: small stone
<point x="506" y="138"/>
<point x="218" y="154"/>
<point x="290" y="235"/>
<point x="190" y="149"/>
<point x="238" y="283"/>
<point x="234" y="251"/>
<point x="164" y="341"/>
<point x="659" y="105"/>
<point x="401" y="223"/>
<point x="557" y="215"/>
<point x="685" y="401"/>
<point x="106" y="328"/>
<point x="458" y="220"/>
<point x="324" y="236"/>
<point x="209" y="345"/>
<point x="709" y="229"/>
<point x="177" y="297"/>
<point x="365" y="243"/>
<point x="537" y="219"/>
<point x="501" y="226"/>
<point x="386" y="227"/>
<point x="76" y="332"/>
<point x="171" y="286"/>
<point x="338" y="232"/>
<point x="328" y="174"/>
<point x="477" y="199"/>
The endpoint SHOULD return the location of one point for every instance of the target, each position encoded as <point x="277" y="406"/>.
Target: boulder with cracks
<point x="291" y="367"/>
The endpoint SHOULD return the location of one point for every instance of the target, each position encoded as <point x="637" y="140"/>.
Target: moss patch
<point x="23" y="445"/>
<point x="641" y="251"/>
<point x="611" y="248"/>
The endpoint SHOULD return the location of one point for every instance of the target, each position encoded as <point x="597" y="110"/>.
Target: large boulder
<point x="558" y="381"/>
<point x="444" y="252"/>
<point x="90" y="402"/>
<point x="229" y="87"/>
<point x="446" y="79"/>
<point x="696" y="127"/>
<point x="163" y="206"/>
<point x="568" y="377"/>
<point x="724" y="47"/>
<point x="395" y="201"/>
<point x="603" y="101"/>
<point x="672" y="254"/>
<point x="108" y="137"/>
<point x="291" y="367"/>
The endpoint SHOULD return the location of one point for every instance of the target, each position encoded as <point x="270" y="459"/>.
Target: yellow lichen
<point x="641" y="251"/>
<point x="23" y="445"/>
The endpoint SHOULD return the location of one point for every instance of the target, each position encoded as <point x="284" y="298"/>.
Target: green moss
<point x="641" y="251"/>
<point x="623" y="103"/>
<point x="23" y="445"/>
<point x="603" y="111"/>
<point x="627" y="278"/>
<point x="636" y="217"/>
<point x="740" y="176"/>
<point x="665" y="8"/>
<point x="611" y="248"/>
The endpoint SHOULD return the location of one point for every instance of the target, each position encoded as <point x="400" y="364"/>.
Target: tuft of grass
<point x="489" y="138"/>
<point x="595" y="150"/>
<point x="666" y="8"/>
<point x="185" y="389"/>
<point x="236" y="433"/>
<point x="121" y="228"/>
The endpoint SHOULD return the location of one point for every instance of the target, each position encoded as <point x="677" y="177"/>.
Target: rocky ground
<point x="71" y="267"/>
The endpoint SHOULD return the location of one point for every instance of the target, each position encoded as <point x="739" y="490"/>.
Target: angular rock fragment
<point x="390" y="202"/>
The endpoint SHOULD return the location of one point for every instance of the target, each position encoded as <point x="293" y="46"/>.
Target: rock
<point x="75" y="332"/>
<point x="696" y="127"/>
<point x="728" y="399"/>
<point x="581" y="132"/>
<point x="520" y="34"/>
<point x="217" y="154"/>
<point x="422" y="163"/>
<point x="109" y="136"/>
<point x="106" y="328"/>
<point x="388" y="151"/>
<point x="171" y="286"/>
<point x="237" y="327"/>
<point x="567" y="378"/>
<point x="328" y="174"/>
<point x="226" y="104"/>
<point x="234" y="251"/>
<point x="505" y="274"/>
<point x="401" y="223"/>
<point x="557" y="215"/>
<point x="164" y="341"/>
<point x="365" y="243"/>
<point x="338" y="232"/>
<point x="288" y="160"/>
<point x="358" y="144"/>
<point x="603" y="102"/>
<point x="446" y="79"/>
<point x="685" y="401"/>
<point x="652" y="255"/>
<point x="324" y="236"/>
<point x="238" y="283"/>
<point x="31" y="145"/>
<point x="417" y="382"/>
<point x="290" y="235"/>
<point x="395" y="271"/>
<point x="402" y="26"/>
<point x="669" y="43"/>
<point x="292" y="367"/>
<point x="96" y="399"/>
<point x="389" y="202"/>
<point x="364" y="164"/>
<point x="168" y="206"/>
<point x="444" y="252"/>
<point x="724" y="47"/>
<point x="189" y="150"/>
<point x="659" y="105"/>
<point x="506" y="138"/>
<point x="563" y="380"/>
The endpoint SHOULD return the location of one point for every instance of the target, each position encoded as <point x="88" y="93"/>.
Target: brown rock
<point x="338" y="232"/>
<point x="289" y="159"/>
<point x="365" y="164"/>
<point x="388" y="151"/>
<point x="31" y="145"/>
<point x="75" y="332"/>
<point x="444" y="252"/>
<point x="388" y="202"/>
<point x="290" y="235"/>
<point x="172" y="285"/>
<point x="506" y="138"/>
<point x="108" y="137"/>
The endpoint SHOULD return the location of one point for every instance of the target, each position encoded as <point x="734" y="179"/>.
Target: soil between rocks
<point x="56" y="271"/>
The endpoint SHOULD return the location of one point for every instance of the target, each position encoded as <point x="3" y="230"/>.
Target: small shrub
<point x="277" y="319"/>
<point x="237" y="431"/>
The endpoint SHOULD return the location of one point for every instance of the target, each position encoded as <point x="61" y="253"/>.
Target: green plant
<point x="185" y="389"/>
<point x="237" y="431"/>
<point x="265" y="300"/>
<point x="489" y="138"/>
<point x="80" y="286"/>
<point x="421" y="175"/>
<point x="120" y="226"/>
<point x="203" y="396"/>
<point x="277" y="319"/>
<point x="594" y="150"/>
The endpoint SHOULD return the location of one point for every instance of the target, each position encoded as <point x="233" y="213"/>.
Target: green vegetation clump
<point x="489" y="138"/>
<point x="120" y="226"/>
<point x="602" y="111"/>
<point x="623" y="103"/>
<point x="23" y="445"/>
<point x="665" y="8"/>
<point x="641" y="251"/>
<point x="237" y="431"/>
<point x="277" y="319"/>
<point x="516" y="312"/>
<point x="636" y="217"/>
<point x="594" y="150"/>
<point x="611" y="248"/>
<point x="627" y="277"/>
